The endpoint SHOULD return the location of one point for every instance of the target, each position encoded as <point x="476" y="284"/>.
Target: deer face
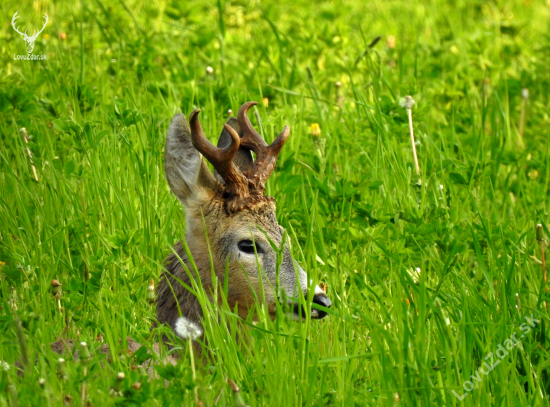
<point x="257" y="258"/>
<point x="243" y="234"/>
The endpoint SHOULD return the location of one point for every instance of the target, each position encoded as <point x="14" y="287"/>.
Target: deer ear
<point x="186" y="171"/>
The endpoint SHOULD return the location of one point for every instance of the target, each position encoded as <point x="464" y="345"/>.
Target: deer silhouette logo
<point x="32" y="39"/>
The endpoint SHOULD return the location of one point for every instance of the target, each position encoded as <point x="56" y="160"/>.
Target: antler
<point x="236" y="184"/>
<point x="266" y="155"/>
<point x="36" y="34"/>
<point x="15" y="17"/>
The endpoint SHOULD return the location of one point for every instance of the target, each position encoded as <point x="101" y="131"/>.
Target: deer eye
<point x="247" y="246"/>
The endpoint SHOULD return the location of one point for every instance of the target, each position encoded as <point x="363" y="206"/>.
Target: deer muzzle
<point x="319" y="298"/>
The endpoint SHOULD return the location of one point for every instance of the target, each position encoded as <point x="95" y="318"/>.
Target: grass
<point x="101" y="219"/>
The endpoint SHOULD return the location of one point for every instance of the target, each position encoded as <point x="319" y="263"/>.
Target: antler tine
<point x="217" y="156"/>
<point x="265" y="162"/>
<point x="266" y="155"/>
<point x="251" y="139"/>
<point x="279" y="142"/>
<point x="221" y="158"/>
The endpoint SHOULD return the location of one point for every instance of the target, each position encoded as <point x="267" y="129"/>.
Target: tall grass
<point x="426" y="279"/>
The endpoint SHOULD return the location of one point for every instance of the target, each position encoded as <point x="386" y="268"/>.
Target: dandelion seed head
<point x="407" y="102"/>
<point x="525" y="93"/>
<point x="187" y="329"/>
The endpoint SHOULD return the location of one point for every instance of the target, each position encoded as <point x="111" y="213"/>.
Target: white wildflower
<point x="186" y="329"/>
<point x="209" y="70"/>
<point x="4" y="366"/>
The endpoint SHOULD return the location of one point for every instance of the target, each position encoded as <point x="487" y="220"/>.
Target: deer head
<point x="239" y="220"/>
<point x="32" y="39"/>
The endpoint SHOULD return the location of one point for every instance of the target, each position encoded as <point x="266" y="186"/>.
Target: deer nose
<point x="322" y="300"/>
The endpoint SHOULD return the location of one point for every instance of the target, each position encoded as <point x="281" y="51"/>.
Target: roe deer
<point x="230" y="210"/>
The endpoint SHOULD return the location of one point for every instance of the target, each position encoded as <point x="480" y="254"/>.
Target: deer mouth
<point x="319" y="299"/>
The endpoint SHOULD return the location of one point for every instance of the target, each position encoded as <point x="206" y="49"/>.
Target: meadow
<point x="430" y="274"/>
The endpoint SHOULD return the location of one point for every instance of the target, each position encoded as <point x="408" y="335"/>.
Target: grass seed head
<point x="12" y="299"/>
